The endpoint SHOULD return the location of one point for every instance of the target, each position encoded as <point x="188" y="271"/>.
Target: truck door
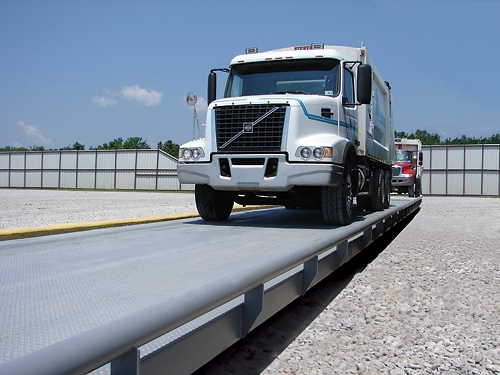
<point x="349" y="107"/>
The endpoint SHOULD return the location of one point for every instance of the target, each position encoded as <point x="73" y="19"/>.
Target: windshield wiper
<point x="291" y="92"/>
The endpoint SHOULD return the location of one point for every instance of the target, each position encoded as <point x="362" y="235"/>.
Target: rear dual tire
<point x="381" y="192"/>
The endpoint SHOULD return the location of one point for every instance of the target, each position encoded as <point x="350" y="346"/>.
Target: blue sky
<point x="95" y="70"/>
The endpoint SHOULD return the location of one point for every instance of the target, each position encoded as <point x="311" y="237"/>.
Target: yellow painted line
<point x="46" y="230"/>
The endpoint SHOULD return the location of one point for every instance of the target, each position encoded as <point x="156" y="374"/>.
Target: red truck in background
<point x="407" y="167"/>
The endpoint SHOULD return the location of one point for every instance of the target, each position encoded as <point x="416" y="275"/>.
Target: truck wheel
<point x="212" y="205"/>
<point x="337" y="201"/>
<point x="378" y="191"/>
<point x="411" y="191"/>
<point x="388" y="188"/>
<point x="418" y="189"/>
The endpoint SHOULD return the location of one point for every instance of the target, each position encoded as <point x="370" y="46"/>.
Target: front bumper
<point x="251" y="173"/>
<point x="402" y="181"/>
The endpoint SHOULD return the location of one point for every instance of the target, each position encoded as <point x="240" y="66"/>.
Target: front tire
<point x="337" y="201"/>
<point x="418" y="189"/>
<point x="213" y="205"/>
<point x="411" y="191"/>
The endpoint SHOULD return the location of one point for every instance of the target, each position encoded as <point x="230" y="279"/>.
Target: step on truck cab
<point x="407" y="168"/>
<point x="303" y="127"/>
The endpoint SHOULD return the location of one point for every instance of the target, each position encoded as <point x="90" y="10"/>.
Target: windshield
<point x="299" y="76"/>
<point x="403" y="156"/>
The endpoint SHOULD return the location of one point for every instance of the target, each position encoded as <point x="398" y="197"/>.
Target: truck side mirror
<point x="364" y="85"/>
<point x="212" y="87"/>
<point x="420" y="158"/>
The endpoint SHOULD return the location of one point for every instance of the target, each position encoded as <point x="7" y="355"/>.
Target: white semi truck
<point x="303" y="127"/>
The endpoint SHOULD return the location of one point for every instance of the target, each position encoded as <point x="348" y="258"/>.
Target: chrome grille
<point x="264" y="136"/>
<point x="396" y="171"/>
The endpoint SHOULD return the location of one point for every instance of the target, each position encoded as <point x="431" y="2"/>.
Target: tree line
<point x="171" y="148"/>
<point x="131" y="143"/>
<point x="435" y="139"/>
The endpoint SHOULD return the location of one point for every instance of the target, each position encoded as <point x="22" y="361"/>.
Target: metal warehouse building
<point x="95" y="169"/>
<point x="448" y="170"/>
<point x="461" y="170"/>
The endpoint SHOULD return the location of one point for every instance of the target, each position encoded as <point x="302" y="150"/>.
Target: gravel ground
<point x="429" y="303"/>
<point x="31" y="208"/>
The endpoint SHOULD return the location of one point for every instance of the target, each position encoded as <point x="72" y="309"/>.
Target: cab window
<point x="348" y="86"/>
<point x="297" y="76"/>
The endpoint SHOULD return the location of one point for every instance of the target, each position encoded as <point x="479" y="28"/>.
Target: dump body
<point x="294" y="121"/>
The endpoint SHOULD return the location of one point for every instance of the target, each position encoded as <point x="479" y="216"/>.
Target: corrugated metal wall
<point x="95" y="169"/>
<point x="448" y="170"/>
<point x="461" y="170"/>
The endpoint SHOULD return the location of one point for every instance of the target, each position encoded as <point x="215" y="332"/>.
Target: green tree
<point x="435" y="139"/>
<point x="76" y="146"/>
<point x="426" y="138"/>
<point x="494" y="139"/>
<point x="36" y="148"/>
<point x="116" y="144"/>
<point x="136" y="143"/>
<point x="11" y="149"/>
<point x="400" y="134"/>
<point x="130" y="143"/>
<point x="464" y="140"/>
<point x="169" y="147"/>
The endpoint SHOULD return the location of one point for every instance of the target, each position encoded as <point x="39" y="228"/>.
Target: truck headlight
<point x="305" y="153"/>
<point x="314" y="153"/>
<point x="318" y="153"/>
<point x="192" y="154"/>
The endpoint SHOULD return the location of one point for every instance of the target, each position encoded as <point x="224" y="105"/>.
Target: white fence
<point x="448" y="170"/>
<point x="461" y="170"/>
<point x="95" y="169"/>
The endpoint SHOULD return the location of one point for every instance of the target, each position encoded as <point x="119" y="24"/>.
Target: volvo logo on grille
<point x="248" y="127"/>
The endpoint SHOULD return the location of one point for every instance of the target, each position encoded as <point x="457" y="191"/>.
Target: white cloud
<point x="102" y="101"/>
<point x="34" y="134"/>
<point x="142" y="96"/>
